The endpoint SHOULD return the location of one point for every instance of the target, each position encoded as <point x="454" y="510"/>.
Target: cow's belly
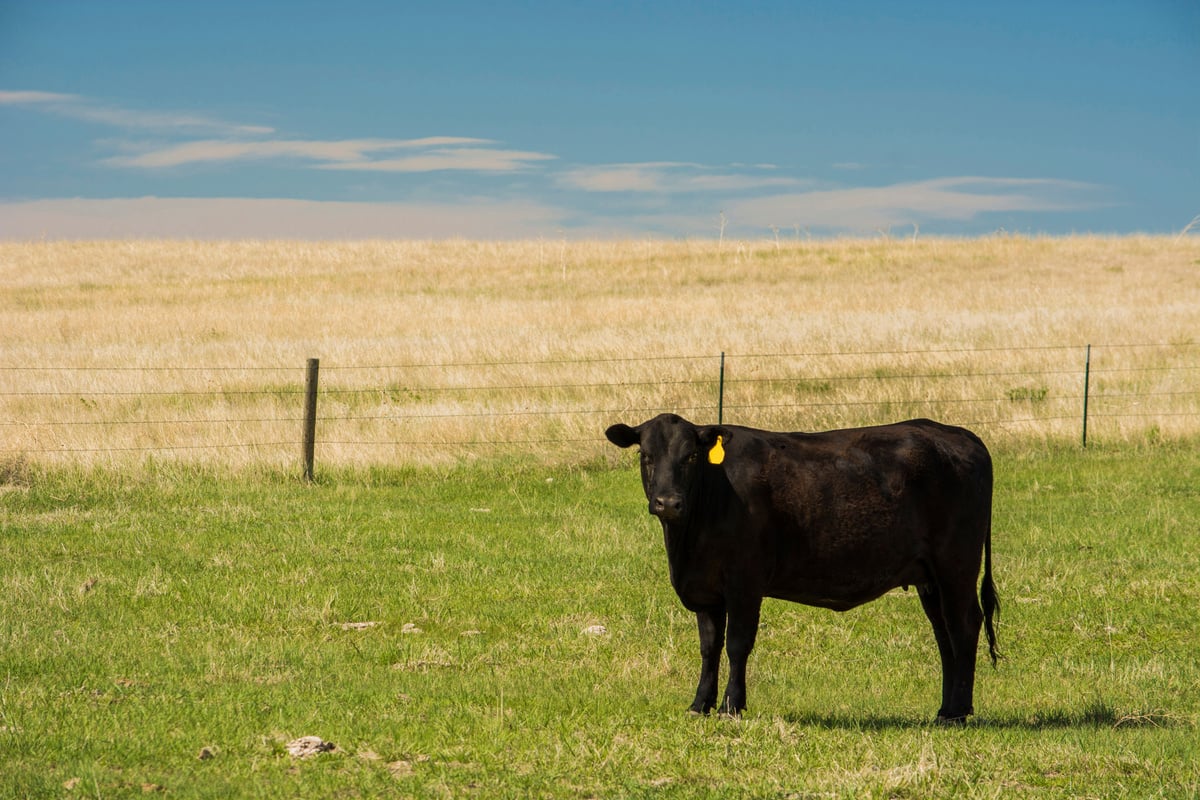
<point x="846" y="590"/>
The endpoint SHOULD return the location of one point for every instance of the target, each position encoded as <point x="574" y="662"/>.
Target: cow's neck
<point x="708" y="502"/>
<point x="679" y="548"/>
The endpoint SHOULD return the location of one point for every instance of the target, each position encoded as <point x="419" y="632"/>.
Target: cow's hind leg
<point x="931" y="601"/>
<point x="962" y="618"/>
<point x="711" y="623"/>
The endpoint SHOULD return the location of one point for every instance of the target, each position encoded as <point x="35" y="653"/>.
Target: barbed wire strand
<point x="1096" y="395"/>
<point x="600" y="360"/>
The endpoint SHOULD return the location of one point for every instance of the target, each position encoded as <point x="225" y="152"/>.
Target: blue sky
<point x="539" y="119"/>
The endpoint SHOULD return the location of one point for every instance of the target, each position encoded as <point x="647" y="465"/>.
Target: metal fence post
<point x="1087" y="374"/>
<point x="721" y="392"/>
<point x="310" y="416"/>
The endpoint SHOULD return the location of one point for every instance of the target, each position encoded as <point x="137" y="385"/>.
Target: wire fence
<point x="558" y="409"/>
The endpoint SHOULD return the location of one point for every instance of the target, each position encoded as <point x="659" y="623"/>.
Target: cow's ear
<point x="709" y="433"/>
<point x="713" y="439"/>
<point x="622" y="435"/>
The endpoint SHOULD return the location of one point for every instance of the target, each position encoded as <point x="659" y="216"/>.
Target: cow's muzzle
<point x="667" y="507"/>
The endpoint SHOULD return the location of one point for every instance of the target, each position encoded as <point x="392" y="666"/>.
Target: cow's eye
<point x="692" y="458"/>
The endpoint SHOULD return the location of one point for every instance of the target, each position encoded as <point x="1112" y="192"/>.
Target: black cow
<point x="831" y="519"/>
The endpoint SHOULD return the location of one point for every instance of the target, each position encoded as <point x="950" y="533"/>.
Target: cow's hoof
<point x="728" y="711"/>
<point x="694" y="713"/>
<point x="948" y="720"/>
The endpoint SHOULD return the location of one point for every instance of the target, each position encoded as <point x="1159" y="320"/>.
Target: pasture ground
<point x="166" y="630"/>
<point x="175" y="606"/>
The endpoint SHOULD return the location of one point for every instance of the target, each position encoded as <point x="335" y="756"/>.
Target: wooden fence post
<point x="310" y="416"/>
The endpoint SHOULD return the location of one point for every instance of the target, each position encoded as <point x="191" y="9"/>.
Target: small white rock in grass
<point x="409" y="627"/>
<point x="358" y="626"/>
<point x="307" y="746"/>
<point x="595" y="630"/>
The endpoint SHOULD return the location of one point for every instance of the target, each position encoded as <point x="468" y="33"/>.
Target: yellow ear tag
<point x="717" y="454"/>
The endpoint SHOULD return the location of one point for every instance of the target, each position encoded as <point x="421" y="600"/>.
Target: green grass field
<point x="166" y="631"/>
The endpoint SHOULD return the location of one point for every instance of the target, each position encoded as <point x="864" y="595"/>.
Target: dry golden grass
<point x="113" y="351"/>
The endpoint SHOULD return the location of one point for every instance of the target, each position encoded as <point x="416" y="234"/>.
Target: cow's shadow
<point x="1097" y="715"/>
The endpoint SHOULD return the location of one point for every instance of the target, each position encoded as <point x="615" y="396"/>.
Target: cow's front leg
<point x="743" y="629"/>
<point x="711" y="622"/>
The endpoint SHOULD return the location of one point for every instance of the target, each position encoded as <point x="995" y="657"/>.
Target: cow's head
<point x="674" y="452"/>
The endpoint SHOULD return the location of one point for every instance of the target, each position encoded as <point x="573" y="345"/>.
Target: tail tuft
<point x="987" y="595"/>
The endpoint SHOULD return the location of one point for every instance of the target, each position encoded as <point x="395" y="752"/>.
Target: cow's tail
<point x="987" y="595"/>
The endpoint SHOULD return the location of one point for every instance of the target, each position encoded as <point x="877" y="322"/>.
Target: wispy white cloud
<point x="435" y="152"/>
<point x="9" y="98"/>
<point x="736" y="183"/>
<point x="81" y="108"/>
<point x="952" y="198"/>
<point x="224" y="150"/>
<point x="644" y="177"/>
<point x="243" y="218"/>
<point x="854" y="210"/>
<point x="670" y="197"/>
<point x="226" y="142"/>
<point x="474" y="159"/>
<point x="377" y="155"/>
<point x="668" y="177"/>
